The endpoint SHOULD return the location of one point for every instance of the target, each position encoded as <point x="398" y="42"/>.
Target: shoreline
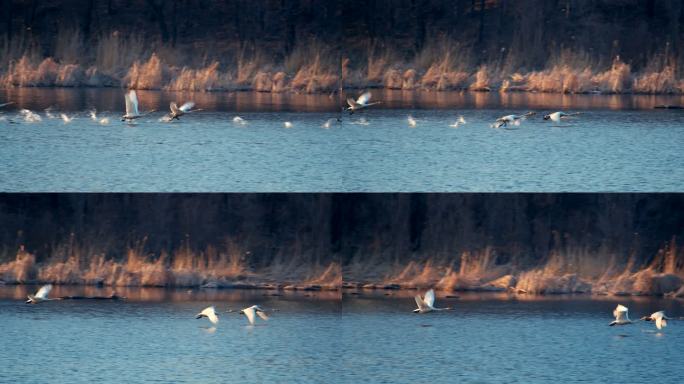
<point x="349" y="91"/>
<point x="352" y="289"/>
<point x="349" y="290"/>
<point x="315" y="77"/>
<point x="110" y="99"/>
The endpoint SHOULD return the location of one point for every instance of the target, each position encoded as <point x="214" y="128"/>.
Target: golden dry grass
<point x="121" y="60"/>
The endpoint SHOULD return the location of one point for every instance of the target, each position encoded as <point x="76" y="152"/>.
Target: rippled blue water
<point x="160" y="341"/>
<point x="153" y="337"/>
<point x="495" y="341"/>
<point x="607" y="148"/>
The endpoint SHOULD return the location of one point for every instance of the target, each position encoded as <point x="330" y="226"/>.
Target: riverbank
<point x="138" y="271"/>
<point x="316" y="76"/>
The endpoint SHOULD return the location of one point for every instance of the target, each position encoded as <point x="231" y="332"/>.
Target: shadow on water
<point x="111" y="99"/>
<point x="151" y="294"/>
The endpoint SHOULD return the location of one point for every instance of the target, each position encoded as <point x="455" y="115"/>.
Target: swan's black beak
<point x="546" y="117"/>
<point x="198" y="317"/>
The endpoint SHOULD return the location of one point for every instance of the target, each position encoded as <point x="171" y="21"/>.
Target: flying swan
<point x="426" y="303"/>
<point x="621" y="316"/>
<point x="511" y="119"/>
<point x="132" y="112"/>
<point x="360" y="103"/>
<point x="558" y="116"/>
<point x="254" y="310"/>
<point x="659" y="318"/>
<point x="209" y="313"/>
<point x="41" y="295"/>
<point x="177" y="112"/>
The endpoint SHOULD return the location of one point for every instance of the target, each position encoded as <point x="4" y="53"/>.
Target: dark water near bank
<point x="619" y="143"/>
<point x="373" y="338"/>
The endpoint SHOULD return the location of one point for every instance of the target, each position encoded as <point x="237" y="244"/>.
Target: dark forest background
<point x="635" y="29"/>
<point x="523" y="229"/>
<point x="374" y="35"/>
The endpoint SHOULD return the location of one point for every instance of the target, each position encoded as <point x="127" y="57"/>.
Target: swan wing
<point x="210" y="313"/>
<point x="44" y="291"/>
<point x="620" y="313"/>
<point x="430" y="298"/>
<point x="421" y="304"/>
<point x="262" y="314"/>
<point x="173" y="107"/>
<point x="659" y="318"/>
<point x="364" y="98"/>
<point x="249" y="312"/>
<point x="213" y="318"/>
<point x="129" y="105"/>
<point x="351" y="102"/>
<point x="132" y="103"/>
<point x="187" y="106"/>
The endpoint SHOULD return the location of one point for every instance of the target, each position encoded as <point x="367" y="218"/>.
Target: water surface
<point x="618" y="143"/>
<point x="487" y="339"/>
<point x="322" y="337"/>
<point x="153" y="337"/>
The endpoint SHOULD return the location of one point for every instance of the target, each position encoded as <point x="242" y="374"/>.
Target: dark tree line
<point x="525" y="32"/>
<point x="531" y="30"/>
<point x="339" y="227"/>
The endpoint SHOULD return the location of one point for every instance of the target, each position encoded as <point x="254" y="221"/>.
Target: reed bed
<point x="573" y="270"/>
<point x="119" y="60"/>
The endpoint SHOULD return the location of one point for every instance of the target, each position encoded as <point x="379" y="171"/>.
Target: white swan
<point x="360" y="103"/>
<point x="254" y="310"/>
<point x="30" y="116"/>
<point x="239" y="120"/>
<point x="132" y="111"/>
<point x="621" y="316"/>
<point x="427" y="303"/>
<point x="177" y="112"/>
<point x="41" y="295"/>
<point x="287" y="124"/>
<point x="459" y="122"/>
<point x="659" y="318"/>
<point x="93" y="115"/>
<point x="558" y="116"/>
<point x="209" y="313"/>
<point x="66" y="119"/>
<point x="411" y="121"/>
<point x="511" y="119"/>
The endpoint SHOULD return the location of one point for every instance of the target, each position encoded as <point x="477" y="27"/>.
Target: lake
<point x="617" y="143"/>
<point x="511" y="339"/>
<point x="316" y="337"/>
<point x="154" y="337"/>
